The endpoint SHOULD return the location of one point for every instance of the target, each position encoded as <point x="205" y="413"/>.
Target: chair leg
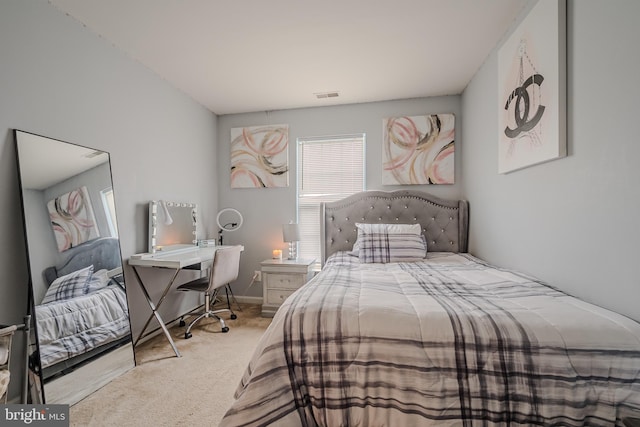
<point x="207" y="313"/>
<point x="228" y="291"/>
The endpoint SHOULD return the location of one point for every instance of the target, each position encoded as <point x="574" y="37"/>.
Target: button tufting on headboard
<point x="444" y="222"/>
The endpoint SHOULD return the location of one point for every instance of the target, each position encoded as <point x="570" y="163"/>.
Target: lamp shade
<point x="291" y="232"/>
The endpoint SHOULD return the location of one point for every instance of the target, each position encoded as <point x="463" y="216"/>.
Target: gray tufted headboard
<point x="102" y="253"/>
<point x="445" y="223"/>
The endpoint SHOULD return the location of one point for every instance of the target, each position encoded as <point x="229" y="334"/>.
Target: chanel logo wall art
<point x="532" y="89"/>
<point x="260" y="156"/>
<point x="418" y="150"/>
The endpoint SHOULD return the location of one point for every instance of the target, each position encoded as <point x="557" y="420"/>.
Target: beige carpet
<point x="193" y="390"/>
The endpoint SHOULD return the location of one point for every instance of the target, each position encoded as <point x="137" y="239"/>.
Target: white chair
<point x="226" y="264"/>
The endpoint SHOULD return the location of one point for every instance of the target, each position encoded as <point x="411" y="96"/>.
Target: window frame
<point x="299" y="172"/>
<point x="109" y="205"/>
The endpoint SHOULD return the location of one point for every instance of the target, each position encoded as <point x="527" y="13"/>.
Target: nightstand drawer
<point x="277" y="296"/>
<point x="281" y="278"/>
<point x="284" y="281"/>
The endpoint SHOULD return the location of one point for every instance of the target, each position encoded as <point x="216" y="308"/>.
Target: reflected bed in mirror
<point x="82" y="336"/>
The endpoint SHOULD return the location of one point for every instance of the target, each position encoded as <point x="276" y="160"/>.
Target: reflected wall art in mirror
<point x="77" y="296"/>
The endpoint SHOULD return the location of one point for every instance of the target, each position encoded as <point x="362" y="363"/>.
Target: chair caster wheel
<point x="225" y="329"/>
<point x="182" y="323"/>
<point x="233" y="316"/>
<point x="187" y="335"/>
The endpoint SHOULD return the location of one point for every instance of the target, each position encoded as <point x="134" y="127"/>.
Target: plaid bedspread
<point x="450" y="341"/>
<point x="71" y="327"/>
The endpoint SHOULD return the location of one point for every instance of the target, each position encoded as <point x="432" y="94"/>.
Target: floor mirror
<point x="77" y="295"/>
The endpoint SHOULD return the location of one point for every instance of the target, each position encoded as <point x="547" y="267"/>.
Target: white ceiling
<point x="258" y="55"/>
<point x="45" y="161"/>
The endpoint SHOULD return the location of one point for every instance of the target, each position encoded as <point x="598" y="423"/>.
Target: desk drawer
<point x="277" y="296"/>
<point x="284" y="281"/>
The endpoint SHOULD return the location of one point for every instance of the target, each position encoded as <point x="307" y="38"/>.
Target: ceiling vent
<point x="322" y="95"/>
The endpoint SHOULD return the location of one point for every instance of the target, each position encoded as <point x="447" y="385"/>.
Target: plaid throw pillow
<point x="69" y="286"/>
<point x="384" y="247"/>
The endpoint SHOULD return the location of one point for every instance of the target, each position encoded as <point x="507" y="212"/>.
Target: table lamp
<point x="291" y="234"/>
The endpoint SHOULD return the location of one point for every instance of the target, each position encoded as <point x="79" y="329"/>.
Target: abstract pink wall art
<point x="260" y="156"/>
<point x="419" y="150"/>
<point x="72" y="219"/>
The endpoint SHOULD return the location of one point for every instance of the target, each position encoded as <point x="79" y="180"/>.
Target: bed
<point x="84" y="311"/>
<point x="449" y="340"/>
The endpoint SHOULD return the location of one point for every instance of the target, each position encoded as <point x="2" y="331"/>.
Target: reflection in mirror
<point x="82" y="336"/>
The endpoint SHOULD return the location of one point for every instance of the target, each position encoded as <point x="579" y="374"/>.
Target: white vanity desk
<point x="177" y="258"/>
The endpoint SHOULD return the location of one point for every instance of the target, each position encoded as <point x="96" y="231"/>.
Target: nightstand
<point x="281" y="278"/>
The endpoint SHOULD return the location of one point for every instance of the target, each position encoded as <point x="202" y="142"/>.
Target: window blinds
<point x="329" y="169"/>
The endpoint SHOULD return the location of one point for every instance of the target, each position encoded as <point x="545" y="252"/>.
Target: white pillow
<point x="390" y="228"/>
<point x="384" y="228"/>
<point x="69" y="286"/>
<point x="98" y="280"/>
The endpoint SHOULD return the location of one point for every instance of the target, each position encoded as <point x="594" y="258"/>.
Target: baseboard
<point x="250" y="300"/>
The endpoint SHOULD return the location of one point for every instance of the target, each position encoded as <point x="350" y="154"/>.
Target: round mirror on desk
<point x="228" y="219"/>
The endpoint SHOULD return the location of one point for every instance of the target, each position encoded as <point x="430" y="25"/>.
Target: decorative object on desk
<point x="291" y="234"/>
<point x="72" y="219"/>
<point x="228" y="219"/>
<point x="532" y="89"/>
<point x="419" y="150"/>
<point x="207" y="243"/>
<point x="259" y="156"/>
<point x="277" y="254"/>
<point x="175" y="227"/>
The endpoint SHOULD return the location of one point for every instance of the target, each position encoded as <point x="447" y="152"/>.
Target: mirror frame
<point x="56" y="385"/>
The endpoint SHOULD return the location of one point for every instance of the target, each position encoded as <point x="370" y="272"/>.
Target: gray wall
<point x="43" y="251"/>
<point x="265" y="210"/>
<point x="572" y="222"/>
<point x="58" y="79"/>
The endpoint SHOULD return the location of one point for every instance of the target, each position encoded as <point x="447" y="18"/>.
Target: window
<point x="329" y="169"/>
<point x="110" y="210"/>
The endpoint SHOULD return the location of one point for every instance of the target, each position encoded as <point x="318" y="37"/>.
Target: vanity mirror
<point x="172" y="226"/>
<point x="82" y="336"/>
